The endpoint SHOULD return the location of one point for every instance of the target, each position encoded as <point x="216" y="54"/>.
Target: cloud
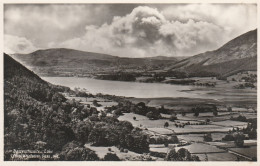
<point x="234" y="18"/>
<point x="147" y="32"/>
<point x="151" y="30"/>
<point x="50" y="23"/>
<point x="15" y="44"/>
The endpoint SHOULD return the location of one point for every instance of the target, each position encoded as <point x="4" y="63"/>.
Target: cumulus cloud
<point x="234" y="18"/>
<point x="146" y="32"/>
<point x="50" y="23"/>
<point x="15" y="44"/>
<point x="152" y="30"/>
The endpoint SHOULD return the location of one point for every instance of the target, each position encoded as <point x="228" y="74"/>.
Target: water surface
<point x="127" y="89"/>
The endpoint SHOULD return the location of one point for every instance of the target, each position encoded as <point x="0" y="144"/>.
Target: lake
<point x="127" y="89"/>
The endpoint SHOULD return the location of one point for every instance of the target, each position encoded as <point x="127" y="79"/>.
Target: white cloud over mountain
<point x="15" y="44"/>
<point x="171" y="30"/>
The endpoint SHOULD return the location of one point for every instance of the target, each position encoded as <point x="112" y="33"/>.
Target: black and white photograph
<point x="130" y="82"/>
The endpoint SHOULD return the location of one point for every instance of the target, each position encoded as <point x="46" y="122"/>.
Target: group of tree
<point x="36" y="111"/>
<point x="237" y="137"/>
<point x="205" y="108"/>
<point x="181" y="155"/>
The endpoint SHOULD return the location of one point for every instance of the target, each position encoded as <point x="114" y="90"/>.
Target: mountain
<point x="37" y="116"/>
<point x="236" y="55"/>
<point x="60" y="61"/>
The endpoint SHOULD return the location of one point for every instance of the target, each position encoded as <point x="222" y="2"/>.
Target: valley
<point x="105" y="107"/>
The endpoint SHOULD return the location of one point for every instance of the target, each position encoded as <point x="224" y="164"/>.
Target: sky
<point x="126" y="30"/>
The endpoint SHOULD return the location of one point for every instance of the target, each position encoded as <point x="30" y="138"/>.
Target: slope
<point x="236" y="55"/>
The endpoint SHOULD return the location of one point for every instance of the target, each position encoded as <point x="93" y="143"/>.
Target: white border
<point x="125" y="163"/>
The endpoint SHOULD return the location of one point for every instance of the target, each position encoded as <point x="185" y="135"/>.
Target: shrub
<point x="173" y="118"/>
<point x="111" y="157"/>
<point x="182" y="155"/>
<point x="207" y="137"/>
<point x="74" y="151"/>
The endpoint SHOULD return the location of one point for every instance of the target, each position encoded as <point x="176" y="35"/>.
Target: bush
<point x="239" y="139"/>
<point x="228" y="137"/>
<point x="182" y="155"/>
<point x="74" y="151"/>
<point x="215" y="113"/>
<point x="111" y="157"/>
<point x="173" y="118"/>
<point x="207" y="137"/>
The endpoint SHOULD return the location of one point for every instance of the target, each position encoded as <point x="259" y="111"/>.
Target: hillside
<point x="236" y="55"/>
<point x="38" y="117"/>
<point x="29" y="104"/>
<point x="61" y="61"/>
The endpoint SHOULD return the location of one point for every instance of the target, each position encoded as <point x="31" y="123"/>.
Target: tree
<point x="75" y="151"/>
<point x="196" y="114"/>
<point x="134" y="118"/>
<point x="207" y="121"/>
<point x="141" y="105"/>
<point x="215" y="113"/>
<point x="166" y="124"/>
<point x="239" y="139"/>
<point x="95" y="103"/>
<point x="173" y="118"/>
<point x="207" y="137"/>
<point x="228" y="137"/>
<point x="111" y="157"/>
<point x="182" y="155"/>
<point x="149" y="115"/>
<point x="183" y="113"/>
<point x="82" y="131"/>
<point x="171" y="155"/>
<point x="153" y="115"/>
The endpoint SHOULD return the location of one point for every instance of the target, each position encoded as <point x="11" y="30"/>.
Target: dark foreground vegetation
<point x="38" y="117"/>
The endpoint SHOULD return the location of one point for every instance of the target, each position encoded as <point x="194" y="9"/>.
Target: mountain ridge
<point x="238" y="54"/>
<point x="54" y="61"/>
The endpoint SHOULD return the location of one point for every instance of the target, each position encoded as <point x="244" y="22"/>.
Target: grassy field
<point x="217" y="157"/>
<point x="246" y="151"/>
<point x="198" y="148"/>
<point x="158" y="125"/>
<point x="230" y="123"/>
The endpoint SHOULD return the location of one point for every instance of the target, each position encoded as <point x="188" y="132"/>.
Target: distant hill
<point x="236" y="55"/>
<point x="62" y="60"/>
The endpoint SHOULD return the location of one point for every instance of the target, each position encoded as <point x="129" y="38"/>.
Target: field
<point x="217" y="157"/>
<point x="246" y="151"/>
<point x="157" y="126"/>
<point x="191" y="136"/>
<point x="202" y="150"/>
